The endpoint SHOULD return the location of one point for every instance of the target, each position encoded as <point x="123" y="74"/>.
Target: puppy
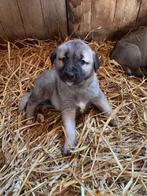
<point x="70" y="85"/>
<point x="131" y="52"/>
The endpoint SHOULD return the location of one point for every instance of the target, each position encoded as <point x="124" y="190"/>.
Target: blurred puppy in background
<point x="131" y="52"/>
<point x="72" y="84"/>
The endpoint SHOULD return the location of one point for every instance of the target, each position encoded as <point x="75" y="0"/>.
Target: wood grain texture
<point x="32" y="17"/>
<point x="126" y="12"/>
<point x="54" y="13"/>
<point x="3" y="35"/>
<point x="43" y="19"/>
<point x="11" y="20"/>
<point x="142" y="15"/>
<point x="79" y="17"/>
<point x="103" y="13"/>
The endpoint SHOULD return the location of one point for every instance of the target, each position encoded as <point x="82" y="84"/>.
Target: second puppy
<point x="131" y="52"/>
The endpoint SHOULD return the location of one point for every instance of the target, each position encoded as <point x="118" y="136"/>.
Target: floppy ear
<point x="53" y="57"/>
<point x="96" y="62"/>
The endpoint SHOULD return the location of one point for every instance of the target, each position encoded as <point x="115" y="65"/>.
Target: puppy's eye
<point x="62" y="58"/>
<point x="83" y="62"/>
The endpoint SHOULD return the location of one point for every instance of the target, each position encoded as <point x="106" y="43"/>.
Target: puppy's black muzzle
<point x="69" y="73"/>
<point x="72" y="74"/>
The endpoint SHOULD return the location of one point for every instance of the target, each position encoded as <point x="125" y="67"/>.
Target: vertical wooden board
<point x="3" y="35"/>
<point x="126" y="13"/>
<point x="11" y="20"/>
<point x="79" y="16"/>
<point x="103" y="12"/>
<point x="32" y="17"/>
<point x="54" y="13"/>
<point x="142" y="15"/>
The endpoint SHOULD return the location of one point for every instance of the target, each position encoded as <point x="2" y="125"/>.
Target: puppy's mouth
<point x="74" y="81"/>
<point x="69" y="83"/>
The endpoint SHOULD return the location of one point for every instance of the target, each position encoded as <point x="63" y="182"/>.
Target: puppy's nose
<point x="70" y="75"/>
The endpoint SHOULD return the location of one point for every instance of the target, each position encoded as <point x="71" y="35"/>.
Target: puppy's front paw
<point x="68" y="147"/>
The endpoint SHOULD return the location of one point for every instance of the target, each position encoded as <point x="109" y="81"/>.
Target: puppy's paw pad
<point x="40" y="118"/>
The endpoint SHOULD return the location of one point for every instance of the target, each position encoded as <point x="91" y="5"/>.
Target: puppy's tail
<point x="23" y="102"/>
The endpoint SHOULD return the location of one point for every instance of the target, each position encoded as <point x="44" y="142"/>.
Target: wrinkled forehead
<point x="75" y="48"/>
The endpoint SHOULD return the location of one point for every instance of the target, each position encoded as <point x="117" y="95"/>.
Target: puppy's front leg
<point x="103" y="105"/>
<point x="68" y="117"/>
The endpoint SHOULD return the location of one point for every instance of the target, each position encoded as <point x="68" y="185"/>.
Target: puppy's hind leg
<point x="139" y="73"/>
<point x="23" y="102"/>
<point x="135" y="71"/>
<point x="25" y="106"/>
<point x="41" y="109"/>
<point x="30" y="109"/>
<point x="68" y="118"/>
<point x="103" y="105"/>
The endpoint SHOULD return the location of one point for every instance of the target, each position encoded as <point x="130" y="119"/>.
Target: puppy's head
<point x="75" y="61"/>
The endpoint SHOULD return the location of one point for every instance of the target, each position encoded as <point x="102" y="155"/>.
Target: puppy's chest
<point x="82" y="98"/>
<point x="81" y="105"/>
<point x="81" y="101"/>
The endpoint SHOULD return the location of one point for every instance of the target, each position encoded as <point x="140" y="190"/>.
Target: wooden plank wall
<point x="104" y="19"/>
<point x="96" y="19"/>
<point x="32" y="18"/>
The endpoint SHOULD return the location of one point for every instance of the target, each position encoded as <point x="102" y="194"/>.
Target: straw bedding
<point x="107" y="161"/>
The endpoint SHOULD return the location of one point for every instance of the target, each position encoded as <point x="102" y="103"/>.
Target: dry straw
<point x="107" y="161"/>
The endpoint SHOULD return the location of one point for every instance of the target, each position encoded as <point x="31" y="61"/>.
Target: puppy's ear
<point x="96" y="62"/>
<point x="53" y="57"/>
